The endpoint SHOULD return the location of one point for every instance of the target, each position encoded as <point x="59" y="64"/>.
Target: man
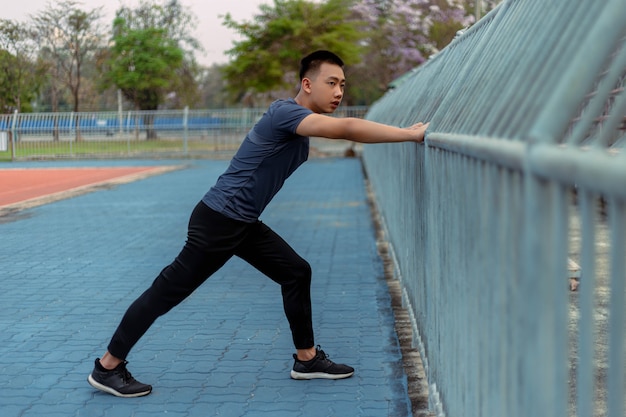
<point x="225" y="224"/>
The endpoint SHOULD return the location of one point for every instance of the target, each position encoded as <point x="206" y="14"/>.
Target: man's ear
<point x="305" y="85"/>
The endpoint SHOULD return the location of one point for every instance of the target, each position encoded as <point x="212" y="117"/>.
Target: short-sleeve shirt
<point x="269" y="154"/>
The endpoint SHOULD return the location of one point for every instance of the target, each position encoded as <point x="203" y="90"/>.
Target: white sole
<point x="318" y="375"/>
<point x="109" y="390"/>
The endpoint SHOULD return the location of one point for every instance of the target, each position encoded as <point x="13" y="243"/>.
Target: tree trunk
<point x="55" y="110"/>
<point x="148" y="122"/>
<point x="75" y="94"/>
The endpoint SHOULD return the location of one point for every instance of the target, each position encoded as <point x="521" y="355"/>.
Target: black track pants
<point x="212" y="239"/>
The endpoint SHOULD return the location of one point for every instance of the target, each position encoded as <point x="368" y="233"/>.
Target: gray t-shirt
<point x="269" y="154"/>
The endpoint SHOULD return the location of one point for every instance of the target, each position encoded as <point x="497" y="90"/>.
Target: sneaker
<point x="320" y="367"/>
<point x="118" y="381"/>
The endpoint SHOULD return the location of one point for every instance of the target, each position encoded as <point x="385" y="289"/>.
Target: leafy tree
<point x="378" y="39"/>
<point x="213" y="88"/>
<point x="151" y="55"/>
<point x="69" y="37"/>
<point x="416" y="29"/>
<point x="402" y="34"/>
<point x="185" y="89"/>
<point x="53" y="91"/>
<point x="142" y="63"/>
<point x="20" y="72"/>
<point x="268" y="57"/>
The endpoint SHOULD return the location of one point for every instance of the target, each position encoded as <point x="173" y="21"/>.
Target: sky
<point x="214" y="37"/>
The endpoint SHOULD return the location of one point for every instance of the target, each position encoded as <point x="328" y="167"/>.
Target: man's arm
<point x="358" y="130"/>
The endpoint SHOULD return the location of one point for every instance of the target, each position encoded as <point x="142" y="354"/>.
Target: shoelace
<point x="125" y="373"/>
<point x="321" y="353"/>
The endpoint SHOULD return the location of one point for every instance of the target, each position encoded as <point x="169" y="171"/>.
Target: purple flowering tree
<point x="404" y="33"/>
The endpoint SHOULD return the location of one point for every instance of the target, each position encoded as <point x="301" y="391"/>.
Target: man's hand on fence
<point x="420" y="130"/>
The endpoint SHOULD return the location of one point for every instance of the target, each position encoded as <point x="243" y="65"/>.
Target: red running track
<point x="23" y="185"/>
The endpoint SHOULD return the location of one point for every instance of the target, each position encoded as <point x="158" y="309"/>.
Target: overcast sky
<point x="210" y="32"/>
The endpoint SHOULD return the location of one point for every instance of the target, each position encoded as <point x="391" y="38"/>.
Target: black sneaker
<point x="118" y="381"/>
<point x="320" y="367"/>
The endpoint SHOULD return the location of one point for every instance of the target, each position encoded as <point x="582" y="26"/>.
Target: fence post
<point x="72" y="129"/>
<point x="13" y="141"/>
<point x="119" y="110"/>
<point x="185" y="130"/>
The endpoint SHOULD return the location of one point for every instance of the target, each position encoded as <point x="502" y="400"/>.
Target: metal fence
<point x="521" y="180"/>
<point x="130" y="133"/>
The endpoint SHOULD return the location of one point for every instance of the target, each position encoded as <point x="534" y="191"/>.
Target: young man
<point x="225" y="224"/>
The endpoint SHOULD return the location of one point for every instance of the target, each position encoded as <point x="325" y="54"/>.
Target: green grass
<point x="110" y="148"/>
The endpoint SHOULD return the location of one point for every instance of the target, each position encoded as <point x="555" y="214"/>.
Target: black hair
<point x="314" y="60"/>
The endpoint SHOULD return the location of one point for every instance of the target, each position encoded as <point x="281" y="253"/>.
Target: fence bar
<point x="507" y="153"/>
<point x="597" y="102"/>
<point x="585" y="368"/>
<point x="617" y="362"/>
<point x="186" y="130"/>
<point x="13" y="134"/>
<point x="594" y="169"/>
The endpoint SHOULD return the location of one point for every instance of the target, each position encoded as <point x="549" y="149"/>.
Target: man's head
<point x="310" y="64"/>
<point x="322" y="82"/>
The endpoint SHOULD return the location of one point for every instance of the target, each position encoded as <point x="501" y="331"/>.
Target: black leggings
<point x="212" y="239"/>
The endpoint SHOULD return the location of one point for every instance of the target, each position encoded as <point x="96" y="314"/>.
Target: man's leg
<point x="211" y="241"/>
<point x="269" y="253"/>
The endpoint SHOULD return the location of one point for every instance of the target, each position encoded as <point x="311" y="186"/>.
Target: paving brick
<point x="71" y="268"/>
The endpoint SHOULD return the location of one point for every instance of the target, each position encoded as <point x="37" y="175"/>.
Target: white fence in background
<point x="130" y="133"/>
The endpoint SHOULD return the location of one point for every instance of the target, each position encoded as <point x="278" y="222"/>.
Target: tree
<point x="142" y="63"/>
<point x="268" y="57"/>
<point x="378" y="39"/>
<point x="151" y="54"/>
<point x="20" y="72"/>
<point x="402" y="34"/>
<point x="68" y="37"/>
<point x="213" y="88"/>
<point x="186" y="86"/>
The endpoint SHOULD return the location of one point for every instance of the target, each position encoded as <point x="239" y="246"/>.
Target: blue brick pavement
<point x="69" y="270"/>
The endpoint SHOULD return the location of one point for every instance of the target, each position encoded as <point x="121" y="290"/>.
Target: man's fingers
<point x="419" y="125"/>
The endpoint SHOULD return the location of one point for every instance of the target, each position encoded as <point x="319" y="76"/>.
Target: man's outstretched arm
<point x="359" y="130"/>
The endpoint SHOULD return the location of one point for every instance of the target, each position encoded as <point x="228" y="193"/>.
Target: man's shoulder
<point x="288" y="108"/>
<point x="286" y="113"/>
<point x="283" y="102"/>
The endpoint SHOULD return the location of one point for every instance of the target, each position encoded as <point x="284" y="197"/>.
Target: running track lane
<point x="41" y="185"/>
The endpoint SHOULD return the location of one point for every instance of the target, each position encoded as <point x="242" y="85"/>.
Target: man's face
<point x="327" y="88"/>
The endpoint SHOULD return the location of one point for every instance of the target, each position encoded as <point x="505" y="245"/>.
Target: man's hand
<point x="419" y="129"/>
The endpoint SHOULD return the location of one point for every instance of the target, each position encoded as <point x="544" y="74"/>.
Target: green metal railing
<point x="517" y="198"/>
